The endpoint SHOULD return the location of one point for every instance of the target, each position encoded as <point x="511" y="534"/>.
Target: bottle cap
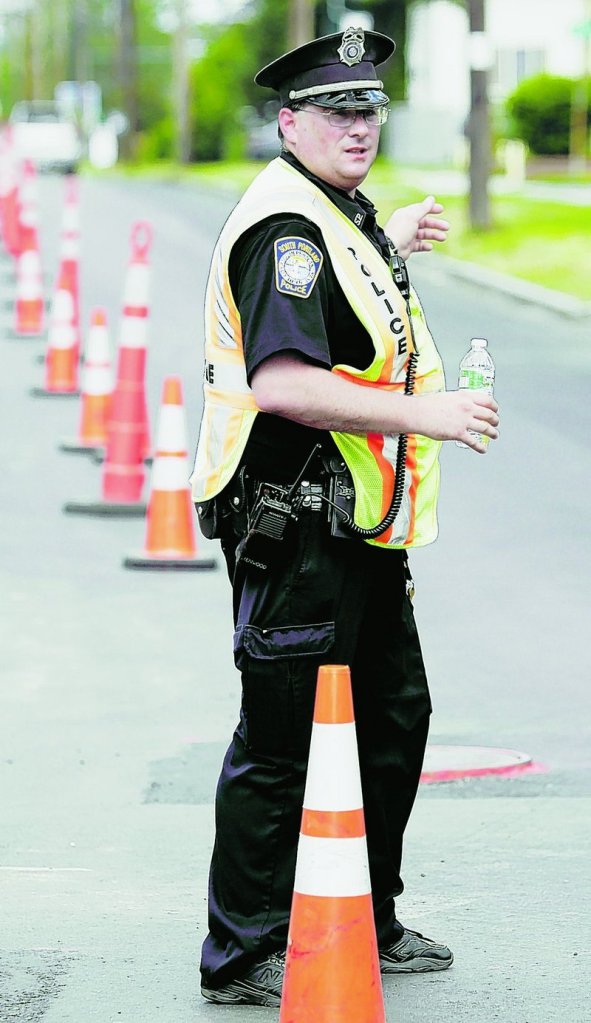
<point x="479" y="342"/>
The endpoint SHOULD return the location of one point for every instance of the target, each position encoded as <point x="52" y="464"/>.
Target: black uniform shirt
<point x="321" y="327"/>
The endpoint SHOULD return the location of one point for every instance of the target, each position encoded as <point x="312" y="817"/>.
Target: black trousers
<point x="334" y="601"/>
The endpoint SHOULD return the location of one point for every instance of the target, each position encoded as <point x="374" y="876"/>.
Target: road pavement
<point x="119" y="692"/>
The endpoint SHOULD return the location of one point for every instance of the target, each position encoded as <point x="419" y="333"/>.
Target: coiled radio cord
<point x="371" y="533"/>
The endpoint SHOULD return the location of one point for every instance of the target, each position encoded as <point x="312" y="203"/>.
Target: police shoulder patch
<point x="297" y="265"/>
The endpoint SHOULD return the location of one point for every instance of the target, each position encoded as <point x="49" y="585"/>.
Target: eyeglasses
<point x="346" y="118"/>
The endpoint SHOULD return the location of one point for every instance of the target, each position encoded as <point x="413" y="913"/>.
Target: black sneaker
<point x="260" y="985"/>
<point x="414" y="954"/>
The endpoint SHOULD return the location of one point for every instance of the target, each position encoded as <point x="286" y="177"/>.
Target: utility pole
<point x="300" y="26"/>
<point x="78" y="50"/>
<point x="128" y="74"/>
<point x="36" y="52"/>
<point x="182" y="84"/>
<point x="479" y="119"/>
<point x="28" y="55"/>
<point x="579" y="132"/>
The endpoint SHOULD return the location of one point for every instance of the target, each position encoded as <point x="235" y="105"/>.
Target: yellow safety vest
<point x="230" y="408"/>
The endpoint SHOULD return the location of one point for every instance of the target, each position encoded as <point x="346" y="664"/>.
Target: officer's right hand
<point x="451" y="415"/>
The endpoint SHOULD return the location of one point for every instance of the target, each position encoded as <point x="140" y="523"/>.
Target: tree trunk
<point x="479" y="120"/>
<point x="128" y="75"/>
<point x="301" y="22"/>
<point x="181" y="85"/>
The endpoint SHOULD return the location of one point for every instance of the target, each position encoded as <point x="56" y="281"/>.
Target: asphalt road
<point x="119" y="693"/>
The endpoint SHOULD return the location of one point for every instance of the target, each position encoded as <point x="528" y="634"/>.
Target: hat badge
<point x="352" y="46"/>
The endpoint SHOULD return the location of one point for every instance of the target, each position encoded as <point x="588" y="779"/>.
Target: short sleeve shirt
<point x="315" y="320"/>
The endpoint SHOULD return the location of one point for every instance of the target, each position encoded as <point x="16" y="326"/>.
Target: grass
<point x="543" y="242"/>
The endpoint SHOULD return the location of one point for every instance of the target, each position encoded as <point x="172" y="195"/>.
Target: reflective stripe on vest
<point x="230" y="408"/>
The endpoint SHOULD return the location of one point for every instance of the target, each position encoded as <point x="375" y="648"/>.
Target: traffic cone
<point x="97" y="388"/>
<point x="68" y="273"/>
<point x="61" y="363"/>
<point x="9" y="197"/>
<point x="127" y="429"/>
<point x="170" y="531"/>
<point x="29" y="304"/>
<point x="332" y="968"/>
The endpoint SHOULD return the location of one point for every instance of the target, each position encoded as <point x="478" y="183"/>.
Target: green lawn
<point x="543" y="242"/>
<point x="546" y="243"/>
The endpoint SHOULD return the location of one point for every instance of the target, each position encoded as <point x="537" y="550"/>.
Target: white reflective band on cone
<point x="171" y="433"/>
<point x="134" y="331"/>
<point x="332" y="867"/>
<point x="62" y="335"/>
<point x="29" y="216"/>
<point x="333" y="781"/>
<point x="136" y="284"/>
<point x="29" y="263"/>
<point x="70" y="248"/>
<point x="29" y="290"/>
<point x="62" y="308"/>
<point x="170" y="472"/>
<point x="97" y="380"/>
<point x="98" y="344"/>
<point x="70" y="219"/>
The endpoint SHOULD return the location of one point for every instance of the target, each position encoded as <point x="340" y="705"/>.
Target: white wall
<point x="437" y="46"/>
<point x="526" y="36"/>
<point x="437" y="56"/>
<point x="543" y="24"/>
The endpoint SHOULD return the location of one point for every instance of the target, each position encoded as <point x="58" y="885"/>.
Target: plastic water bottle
<point x="477" y="373"/>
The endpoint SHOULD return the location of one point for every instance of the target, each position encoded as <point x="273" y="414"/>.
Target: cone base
<point x="77" y="446"/>
<point x="41" y="392"/>
<point x="172" y="562"/>
<point x="13" y="335"/>
<point x="114" y="509"/>
<point x="98" y="455"/>
<point x="10" y="304"/>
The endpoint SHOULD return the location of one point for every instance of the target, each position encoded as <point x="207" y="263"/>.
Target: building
<point x="523" y="37"/>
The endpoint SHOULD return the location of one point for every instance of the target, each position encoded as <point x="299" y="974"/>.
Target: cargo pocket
<point x="279" y="670"/>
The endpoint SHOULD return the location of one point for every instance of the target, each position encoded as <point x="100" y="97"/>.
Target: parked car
<point x="263" y="142"/>
<point x="42" y="133"/>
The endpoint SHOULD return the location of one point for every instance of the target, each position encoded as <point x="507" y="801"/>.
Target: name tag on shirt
<point x="297" y="265"/>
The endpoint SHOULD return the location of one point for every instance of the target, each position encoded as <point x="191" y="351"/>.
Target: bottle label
<point x="477" y="380"/>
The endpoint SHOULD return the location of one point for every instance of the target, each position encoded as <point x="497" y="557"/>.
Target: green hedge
<point x="539" y="113"/>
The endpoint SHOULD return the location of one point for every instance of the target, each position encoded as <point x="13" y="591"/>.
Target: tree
<point x="127" y="73"/>
<point x="479" y="119"/>
<point x="223" y="80"/>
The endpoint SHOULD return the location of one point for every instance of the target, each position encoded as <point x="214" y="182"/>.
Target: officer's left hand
<point x="413" y="228"/>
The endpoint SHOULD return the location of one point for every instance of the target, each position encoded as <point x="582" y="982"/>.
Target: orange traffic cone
<point x="9" y="198"/>
<point x="68" y="273"/>
<point x="332" y="969"/>
<point x="29" y="305"/>
<point x="127" y="429"/>
<point x="61" y="363"/>
<point x="170" y="531"/>
<point x="97" y="387"/>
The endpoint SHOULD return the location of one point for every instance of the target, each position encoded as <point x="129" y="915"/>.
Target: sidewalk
<point x="456" y="182"/>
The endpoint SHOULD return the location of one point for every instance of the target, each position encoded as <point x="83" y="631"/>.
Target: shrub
<point x="157" y="142"/>
<point x="539" y="113"/>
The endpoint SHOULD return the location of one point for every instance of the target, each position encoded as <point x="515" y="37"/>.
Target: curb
<point x="525" y="291"/>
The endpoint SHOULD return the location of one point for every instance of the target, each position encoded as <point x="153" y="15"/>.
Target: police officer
<point x="317" y="466"/>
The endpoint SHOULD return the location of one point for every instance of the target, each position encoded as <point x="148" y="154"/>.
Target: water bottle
<point x="477" y="373"/>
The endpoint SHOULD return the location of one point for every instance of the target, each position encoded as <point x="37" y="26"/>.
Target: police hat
<point x="338" y="70"/>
